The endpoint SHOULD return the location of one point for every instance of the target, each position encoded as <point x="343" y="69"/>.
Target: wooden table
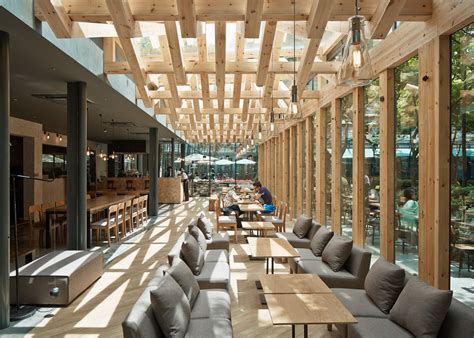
<point x="93" y="206"/>
<point x="259" y="227"/>
<point x="308" y="308"/>
<point x="250" y="208"/>
<point x="294" y="283"/>
<point x="271" y="248"/>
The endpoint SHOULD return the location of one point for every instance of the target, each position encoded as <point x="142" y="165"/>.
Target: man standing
<point x="185" y="180"/>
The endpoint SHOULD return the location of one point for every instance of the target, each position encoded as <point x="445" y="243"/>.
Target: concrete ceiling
<point x="39" y="67"/>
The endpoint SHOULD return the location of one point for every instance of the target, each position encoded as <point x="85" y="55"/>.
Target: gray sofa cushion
<point x="383" y="283"/>
<point x="458" y="322"/>
<point x="199" y="236"/>
<point x="358" y="303"/>
<point x="183" y="275"/>
<point x="313" y="229"/>
<point x="214" y="275"/>
<point x="218" y="241"/>
<point x="320" y="240"/>
<point x="368" y="327"/>
<point x="294" y="240"/>
<point x="192" y="254"/>
<point x="421" y="308"/>
<point x="209" y="328"/>
<point x="340" y="279"/>
<point x="212" y="303"/>
<point x="305" y="254"/>
<point x="205" y="225"/>
<point x="216" y="256"/>
<point x="170" y="307"/>
<point x="302" y="225"/>
<point x="336" y="252"/>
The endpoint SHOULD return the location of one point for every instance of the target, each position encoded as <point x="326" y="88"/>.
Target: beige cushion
<point x="205" y="225"/>
<point x="227" y="220"/>
<point x="320" y="240"/>
<point x="302" y="225"/>
<point x="185" y="278"/>
<point x="192" y="254"/>
<point x="198" y="235"/>
<point x="336" y="252"/>
<point x="170" y="307"/>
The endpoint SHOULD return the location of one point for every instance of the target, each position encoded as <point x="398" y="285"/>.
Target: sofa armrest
<point x="358" y="264"/>
<point x="176" y="249"/>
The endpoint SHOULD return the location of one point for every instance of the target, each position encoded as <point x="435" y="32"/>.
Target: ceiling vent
<point x="56" y="98"/>
<point x="120" y="124"/>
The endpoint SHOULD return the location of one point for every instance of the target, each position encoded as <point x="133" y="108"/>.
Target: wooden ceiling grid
<point x="209" y="91"/>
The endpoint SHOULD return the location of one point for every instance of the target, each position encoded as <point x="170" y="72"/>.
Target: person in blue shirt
<point x="263" y="194"/>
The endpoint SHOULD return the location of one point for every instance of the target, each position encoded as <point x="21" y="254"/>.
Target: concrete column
<point x="153" y="165"/>
<point x="172" y="157"/>
<point x="183" y="154"/>
<point x="76" y="166"/>
<point x="4" y="180"/>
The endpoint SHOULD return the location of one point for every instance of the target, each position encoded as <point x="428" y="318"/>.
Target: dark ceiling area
<point x="38" y="67"/>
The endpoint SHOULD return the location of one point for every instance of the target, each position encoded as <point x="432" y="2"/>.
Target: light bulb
<point x="356" y="56"/>
<point x="252" y="142"/>
<point x="272" y="127"/>
<point x="293" y="108"/>
<point x="48" y="136"/>
<point x="259" y="135"/>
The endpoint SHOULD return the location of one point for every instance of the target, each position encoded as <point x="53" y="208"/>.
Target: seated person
<point x="264" y="196"/>
<point x="230" y="202"/>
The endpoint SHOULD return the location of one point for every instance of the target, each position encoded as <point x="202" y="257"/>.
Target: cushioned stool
<point x="71" y="271"/>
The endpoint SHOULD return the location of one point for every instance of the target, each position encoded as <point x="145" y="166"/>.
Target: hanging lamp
<point x="272" y="112"/>
<point x="259" y="129"/>
<point x="355" y="69"/>
<point x="293" y="107"/>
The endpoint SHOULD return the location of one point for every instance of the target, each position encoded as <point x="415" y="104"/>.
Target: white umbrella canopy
<point x="196" y="157"/>
<point x="245" y="161"/>
<point x="223" y="162"/>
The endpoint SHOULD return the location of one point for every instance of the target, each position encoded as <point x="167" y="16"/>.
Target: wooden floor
<point x="100" y="310"/>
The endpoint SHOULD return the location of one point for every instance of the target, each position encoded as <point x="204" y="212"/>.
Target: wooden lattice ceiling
<point x="213" y="66"/>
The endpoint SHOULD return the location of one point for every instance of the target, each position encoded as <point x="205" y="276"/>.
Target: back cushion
<point x="336" y="252"/>
<point x="192" y="254"/>
<point x="320" y="240"/>
<point x="205" y="225"/>
<point x="458" y="322"/>
<point x="302" y="225"/>
<point x="198" y="235"/>
<point x="383" y="283"/>
<point x="183" y="275"/>
<point x="313" y="229"/>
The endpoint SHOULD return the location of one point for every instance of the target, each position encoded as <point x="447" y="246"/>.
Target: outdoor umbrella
<point x="245" y="161"/>
<point x="223" y="162"/>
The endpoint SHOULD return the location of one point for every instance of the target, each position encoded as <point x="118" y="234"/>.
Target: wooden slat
<point x="286" y="162"/>
<point x="220" y="32"/>
<point x="309" y="159"/>
<point x="109" y="50"/>
<point x="56" y="16"/>
<point x="239" y="56"/>
<point x="293" y="172"/>
<point x="321" y="156"/>
<point x="175" y="52"/>
<point x="387" y="165"/>
<point x="318" y="18"/>
<point x="300" y="168"/>
<point x="253" y="18"/>
<point x="385" y="15"/>
<point x="187" y="18"/>
<point x="266" y="46"/>
<point x="336" y="162"/>
<point x="171" y="85"/>
<point x="246" y="94"/>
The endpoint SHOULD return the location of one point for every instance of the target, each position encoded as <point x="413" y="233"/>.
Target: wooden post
<point x="300" y="168"/>
<point x="321" y="166"/>
<point x="309" y="165"/>
<point x="358" y="204"/>
<point x="387" y="165"/>
<point x="286" y="165"/>
<point x="273" y="163"/>
<point x="292" y="183"/>
<point x="336" y="158"/>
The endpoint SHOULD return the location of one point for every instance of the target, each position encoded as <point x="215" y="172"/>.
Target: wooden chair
<point x="37" y="224"/>
<point x="144" y="208"/>
<point x="55" y="222"/>
<point x="121" y="219"/>
<point x="107" y="224"/>
<point x="279" y="220"/>
<point x="136" y="216"/>
<point x="128" y="215"/>
<point x="225" y="222"/>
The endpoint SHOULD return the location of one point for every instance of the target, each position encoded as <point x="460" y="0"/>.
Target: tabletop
<point x="271" y="247"/>
<point x="98" y="203"/>
<point x="258" y="226"/>
<point x="250" y="207"/>
<point x="293" y="283"/>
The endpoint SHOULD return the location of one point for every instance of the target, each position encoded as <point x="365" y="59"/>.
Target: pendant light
<point x="272" y="112"/>
<point x="293" y="107"/>
<point x="259" y="130"/>
<point x="356" y="69"/>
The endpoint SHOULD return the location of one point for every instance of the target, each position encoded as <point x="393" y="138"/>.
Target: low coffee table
<point x="294" y="283"/>
<point x="308" y="308"/>
<point x="271" y="248"/>
<point x="259" y="227"/>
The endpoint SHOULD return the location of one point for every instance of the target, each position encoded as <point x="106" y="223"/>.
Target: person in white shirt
<point x="185" y="180"/>
<point x="230" y="202"/>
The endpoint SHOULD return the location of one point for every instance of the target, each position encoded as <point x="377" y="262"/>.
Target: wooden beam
<point x="220" y="37"/>
<point x="239" y="56"/>
<point x="187" y="18"/>
<point x="293" y="168"/>
<point x="385" y="15"/>
<point x="336" y="162"/>
<point x="300" y="168"/>
<point x="307" y="61"/>
<point x="172" y="86"/>
<point x="309" y="160"/>
<point x="318" y="18"/>
<point x="56" y="17"/>
<point x="175" y="52"/>
<point x="387" y="164"/>
<point x="321" y="156"/>
<point x="202" y="50"/>
<point x="266" y="46"/>
<point x="253" y="18"/>
<point x="228" y="95"/>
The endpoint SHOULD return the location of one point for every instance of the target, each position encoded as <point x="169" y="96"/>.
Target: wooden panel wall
<point x="320" y="131"/>
<point x="309" y="141"/>
<point x="292" y="182"/>
<point x="358" y="205"/>
<point x="300" y="171"/>
<point x="336" y="158"/>
<point x="286" y="165"/>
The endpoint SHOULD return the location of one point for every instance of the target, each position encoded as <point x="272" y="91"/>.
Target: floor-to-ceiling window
<point x="406" y="170"/>
<point x="346" y="165"/>
<point x="462" y="165"/>
<point x="372" y="165"/>
<point x="328" y="166"/>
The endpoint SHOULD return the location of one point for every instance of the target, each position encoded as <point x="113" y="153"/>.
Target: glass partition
<point x="346" y="165"/>
<point x="406" y="165"/>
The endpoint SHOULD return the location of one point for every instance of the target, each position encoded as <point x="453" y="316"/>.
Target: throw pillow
<point x="383" y="283"/>
<point x="198" y="235"/>
<point x="320" y="240"/>
<point x="336" y="252"/>
<point x="185" y="278"/>
<point x="205" y="225"/>
<point x="421" y="308"/>
<point x="170" y="307"/>
<point x="192" y="254"/>
<point x="302" y="226"/>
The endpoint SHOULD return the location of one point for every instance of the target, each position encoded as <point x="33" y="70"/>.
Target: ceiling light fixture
<point x="293" y="107"/>
<point x="355" y="69"/>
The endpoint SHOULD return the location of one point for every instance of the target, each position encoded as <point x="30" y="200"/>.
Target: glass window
<point x="54" y="161"/>
<point x="372" y="165"/>
<point x="328" y="167"/>
<point x="406" y="165"/>
<point x="346" y="165"/>
<point x="462" y="165"/>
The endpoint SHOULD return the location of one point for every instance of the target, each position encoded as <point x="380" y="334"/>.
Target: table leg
<point x="273" y="265"/>
<point x="329" y="327"/>
<point x="48" y="229"/>
<point x="267" y="263"/>
<point x="293" y="333"/>
<point x="305" y="331"/>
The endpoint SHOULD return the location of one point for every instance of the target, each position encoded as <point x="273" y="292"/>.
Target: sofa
<point x="373" y="322"/>
<point x="210" y="315"/>
<point x="297" y="242"/>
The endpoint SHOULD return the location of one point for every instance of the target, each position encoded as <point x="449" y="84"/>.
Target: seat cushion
<point x="305" y="254"/>
<point x="212" y="303"/>
<point x="368" y="327"/>
<point x="383" y="283"/>
<point x="170" y="307"/>
<point x="216" y="256"/>
<point x="271" y="218"/>
<point x="214" y="275"/>
<point x="320" y="240"/>
<point x="205" y="225"/>
<point x="336" y="252"/>
<point x="183" y="275"/>
<point x="209" y="328"/>
<point x="294" y="240"/>
<point x="458" y="321"/>
<point x="227" y="220"/>
<point x="218" y="241"/>
<point x="340" y="279"/>
<point x="421" y="308"/>
<point x="198" y="235"/>
<point x="358" y="303"/>
<point x="192" y="254"/>
<point x="302" y="225"/>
